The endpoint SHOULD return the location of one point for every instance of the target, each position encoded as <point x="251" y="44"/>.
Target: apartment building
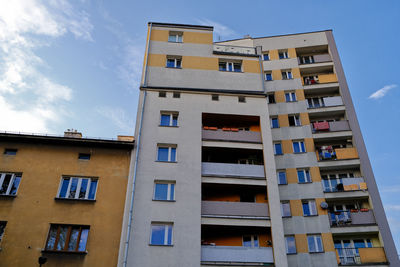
<point x="249" y="153"/>
<point x="62" y="199"/>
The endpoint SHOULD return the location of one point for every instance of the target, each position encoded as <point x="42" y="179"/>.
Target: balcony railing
<point x="344" y="184"/>
<point x="328" y="153"/>
<point x="332" y="126"/>
<point x="358" y="256"/>
<point x="303" y="60"/>
<point x="352" y="218"/>
<point x="236" y="136"/>
<point x="321" y="102"/>
<point x="236" y="254"/>
<point x="231" y="49"/>
<point x="239" y="209"/>
<point x="232" y="170"/>
<point x="320" y="78"/>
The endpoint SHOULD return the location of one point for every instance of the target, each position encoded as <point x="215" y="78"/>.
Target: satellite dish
<point x="324" y="205"/>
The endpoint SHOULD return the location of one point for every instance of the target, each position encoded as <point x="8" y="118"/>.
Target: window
<point x="230" y="66"/>
<point x="214" y="97"/>
<point x="290" y="97"/>
<point x="278" y="149"/>
<point x="315" y="102"/>
<point x="271" y="98"/>
<point x="274" y="123"/>
<point x="164" y="191"/>
<point x="174" y="62"/>
<point x="298" y="147"/>
<point x="161" y="234"/>
<point x="166" y="153"/>
<point x="175" y="37"/>
<point x="331" y="181"/>
<point x="290" y="245"/>
<point x="268" y="76"/>
<point x="162" y="94"/>
<point x="77" y="188"/>
<point x="306" y="59"/>
<point x="287" y="75"/>
<point x="282" y="177"/>
<point x="265" y="56"/>
<point x="250" y="241"/>
<point x="169" y="119"/>
<point x="285" y="209"/>
<point x="309" y="208"/>
<point x="9" y="183"/>
<point x="84" y="156"/>
<point x="315" y="243"/>
<point x="67" y="238"/>
<point x="303" y="176"/>
<point x="283" y="55"/>
<point x="242" y="99"/>
<point x="2" y="228"/>
<point x="294" y="120"/>
<point x="10" y="151"/>
<point x="176" y="95"/>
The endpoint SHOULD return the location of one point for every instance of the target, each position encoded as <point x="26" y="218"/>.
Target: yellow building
<point x="62" y="198"/>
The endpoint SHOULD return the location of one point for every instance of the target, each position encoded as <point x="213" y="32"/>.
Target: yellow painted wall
<point x="283" y="120"/>
<point x="320" y="211"/>
<point x="255" y="128"/>
<point x="30" y="213"/>
<point x="301" y="243"/>
<point x="296" y="207"/>
<point x="305" y="120"/>
<point x="251" y="66"/>
<point x="203" y="63"/>
<point x="372" y="255"/>
<point x="188" y="37"/>
<point x="291" y="176"/>
<point x="300" y="95"/>
<point x="315" y="174"/>
<point x="296" y="74"/>
<point x="309" y="143"/>
<point x="327" y="240"/>
<point x="159" y="35"/>
<point x="287" y="146"/>
<point x="346" y="153"/>
<point x="327" y="78"/>
<point x="276" y="75"/>
<point x="292" y="52"/>
<point x="273" y="54"/>
<point x="157" y="60"/>
<point x="280" y="97"/>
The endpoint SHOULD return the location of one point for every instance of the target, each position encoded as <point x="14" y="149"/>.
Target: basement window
<point x="84" y="156"/>
<point x="162" y="94"/>
<point x="176" y="95"/>
<point x="214" y="97"/>
<point x="242" y="99"/>
<point x="10" y="151"/>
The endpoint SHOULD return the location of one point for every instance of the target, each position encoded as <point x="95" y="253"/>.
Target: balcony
<point x="344" y="184"/>
<point x="234" y="209"/>
<point x="231" y="134"/>
<point x="314" y="80"/>
<point x="232" y="170"/>
<point x="235" y="50"/>
<point x="332" y="126"/>
<point x="352" y="218"/>
<point x="360" y="256"/>
<point x="320" y="102"/>
<point x="232" y="254"/>
<point x="329" y="153"/>
<point x="305" y="60"/>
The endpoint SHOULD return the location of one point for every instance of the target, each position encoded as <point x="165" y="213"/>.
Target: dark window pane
<point x="169" y="241"/>
<point x="247" y="241"/>
<point x="84" y="185"/>
<point x="52" y="238"/>
<point x="92" y="191"/>
<point x="278" y="149"/>
<point x="15" y="185"/>
<point x="173" y="154"/>
<point x="72" y="190"/>
<point x="62" y="237"/>
<point x="300" y="176"/>
<point x="161" y="192"/>
<point x="64" y="187"/>
<point x="170" y="63"/>
<point x="306" y="209"/>
<point x="83" y="239"/>
<point x="165" y="120"/>
<point x="73" y="240"/>
<point x="172" y="192"/>
<point x="162" y="154"/>
<point x="174" y="120"/>
<point x="6" y="183"/>
<point x="157" y="234"/>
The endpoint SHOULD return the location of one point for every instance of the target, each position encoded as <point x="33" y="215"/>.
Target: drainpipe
<point x="259" y="52"/>
<point x="129" y="228"/>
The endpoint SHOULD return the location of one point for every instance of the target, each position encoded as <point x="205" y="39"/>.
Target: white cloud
<point x="390" y="189"/>
<point x="382" y="92"/>
<point x="220" y="30"/>
<point x="29" y="100"/>
<point x="118" y="117"/>
<point x="392" y="208"/>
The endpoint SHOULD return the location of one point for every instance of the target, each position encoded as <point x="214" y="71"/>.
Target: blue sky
<point x="77" y="64"/>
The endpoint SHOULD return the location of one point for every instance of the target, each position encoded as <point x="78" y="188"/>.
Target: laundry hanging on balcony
<point x="321" y="126"/>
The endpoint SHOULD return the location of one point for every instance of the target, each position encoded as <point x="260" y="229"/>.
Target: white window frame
<point x="169" y="183"/>
<point x="301" y="147"/>
<point x="175" y="59"/>
<point x="266" y="54"/>
<point x="265" y="76"/>
<point x="177" y="35"/>
<point x="166" y="225"/>
<point x="78" y="187"/>
<point x="277" y="174"/>
<point x="292" y="96"/>
<point x="287" y="244"/>
<point x="282" y="209"/>
<point x="312" y="207"/>
<point x="315" y="240"/>
<point x="277" y="119"/>
<point x="232" y="64"/>
<point x="169" y="152"/>
<point x="285" y="54"/>
<point x="171" y="118"/>
<point x="352" y="242"/>
<point x="297" y="121"/>
<point x="307" y="179"/>
<point x="275" y="148"/>
<point x="252" y="241"/>
<point x="13" y="176"/>
<point x="310" y="58"/>
<point x="314" y="100"/>
<point x="288" y="74"/>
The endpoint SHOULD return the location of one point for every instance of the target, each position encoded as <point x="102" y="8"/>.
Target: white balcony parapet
<point x="242" y="209"/>
<point x="244" y="50"/>
<point x="236" y="254"/>
<point x="333" y="101"/>
<point x="232" y="170"/>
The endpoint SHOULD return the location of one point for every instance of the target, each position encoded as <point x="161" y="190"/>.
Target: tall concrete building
<point x="249" y="153"/>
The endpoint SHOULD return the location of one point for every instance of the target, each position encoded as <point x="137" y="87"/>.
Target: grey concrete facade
<point x="188" y="213"/>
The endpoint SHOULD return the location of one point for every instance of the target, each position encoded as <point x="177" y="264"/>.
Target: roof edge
<point x="176" y="25"/>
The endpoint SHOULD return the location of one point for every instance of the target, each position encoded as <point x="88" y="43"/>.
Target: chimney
<point x="72" y="133"/>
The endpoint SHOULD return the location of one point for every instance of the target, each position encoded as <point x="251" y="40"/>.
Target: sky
<point x="77" y="64"/>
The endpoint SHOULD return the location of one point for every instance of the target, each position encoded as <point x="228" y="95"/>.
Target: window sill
<point x="316" y="252"/>
<point x="231" y="71"/>
<point x="300" y="152"/>
<point x="162" y="200"/>
<point x="155" y="245"/>
<point x="175" y="42"/>
<point x="292" y="253"/>
<point x="174" y="68"/>
<point x="278" y="154"/>
<point x="168" y="126"/>
<point x="161" y="161"/>
<point x="287" y="216"/>
<point x="269" y="80"/>
<point x="283" y="184"/>
<point x="74" y="199"/>
<point x="65" y="252"/>
<point x="305" y="182"/>
<point x="310" y="215"/>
